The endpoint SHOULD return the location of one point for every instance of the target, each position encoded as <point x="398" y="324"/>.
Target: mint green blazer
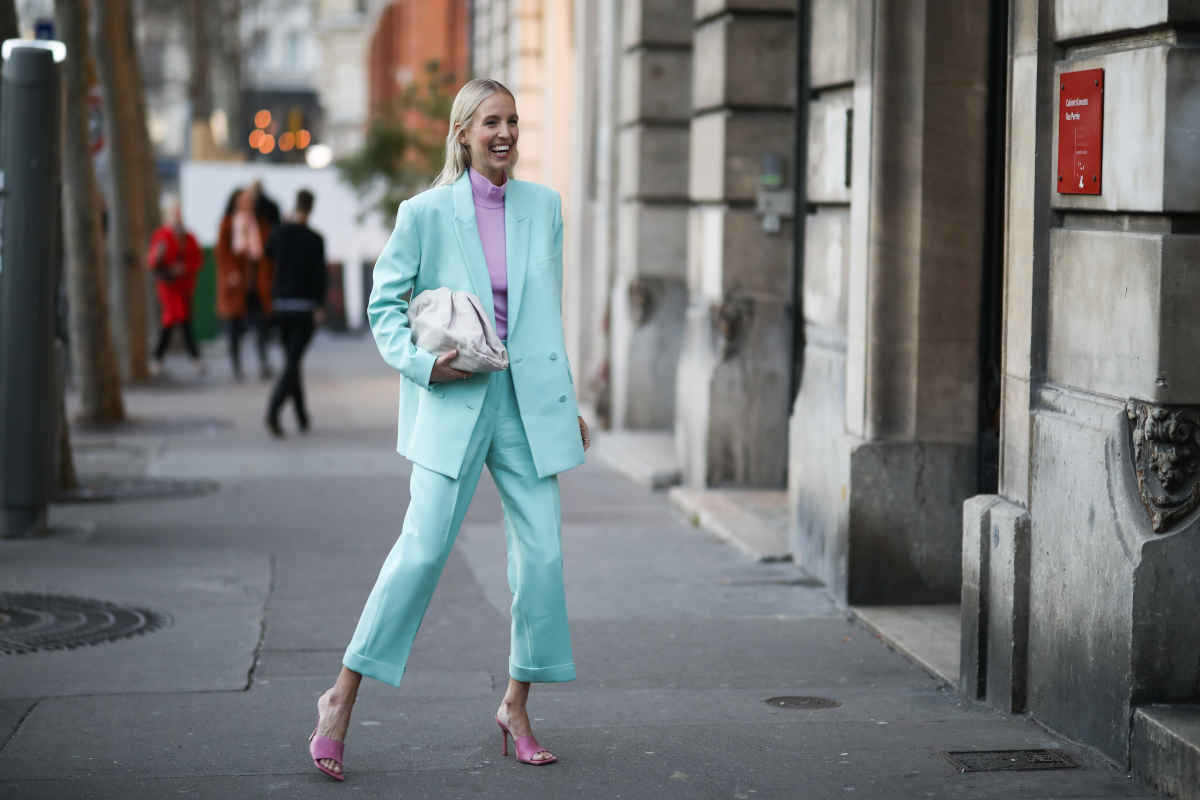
<point x="436" y="243"/>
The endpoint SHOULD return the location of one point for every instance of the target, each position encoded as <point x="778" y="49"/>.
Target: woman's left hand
<point x="585" y="434"/>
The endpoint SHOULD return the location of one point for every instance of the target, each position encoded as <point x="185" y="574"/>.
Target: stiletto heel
<point x="503" y="741"/>
<point x="526" y="747"/>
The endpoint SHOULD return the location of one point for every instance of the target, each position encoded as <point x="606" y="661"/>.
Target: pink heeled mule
<point x="320" y="747"/>
<point x="526" y="747"/>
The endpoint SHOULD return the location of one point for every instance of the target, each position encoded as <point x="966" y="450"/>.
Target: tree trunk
<point x="124" y="125"/>
<point x="93" y="356"/>
<point x="231" y="48"/>
<point x="68" y="479"/>
<point x="200" y="82"/>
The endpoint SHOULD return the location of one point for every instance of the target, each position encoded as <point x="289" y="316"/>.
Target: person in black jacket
<point x="298" y="295"/>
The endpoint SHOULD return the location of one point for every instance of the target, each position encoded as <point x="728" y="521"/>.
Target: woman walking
<point x="175" y="259"/>
<point x="244" y="278"/>
<point x="480" y="231"/>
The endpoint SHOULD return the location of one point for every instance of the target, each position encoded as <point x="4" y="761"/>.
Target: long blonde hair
<point x="466" y="103"/>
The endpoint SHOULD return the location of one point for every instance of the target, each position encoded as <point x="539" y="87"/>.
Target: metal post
<point x="29" y="221"/>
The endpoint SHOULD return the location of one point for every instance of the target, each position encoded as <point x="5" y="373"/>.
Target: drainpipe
<point x="800" y="188"/>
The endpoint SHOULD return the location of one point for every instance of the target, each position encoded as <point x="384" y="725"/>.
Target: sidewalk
<point x="679" y="637"/>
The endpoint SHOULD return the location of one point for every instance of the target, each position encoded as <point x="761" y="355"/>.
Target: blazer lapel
<point x="516" y="248"/>
<point x="466" y="230"/>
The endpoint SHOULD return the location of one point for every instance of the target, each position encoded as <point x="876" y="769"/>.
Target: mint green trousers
<point x="540" y="645"/>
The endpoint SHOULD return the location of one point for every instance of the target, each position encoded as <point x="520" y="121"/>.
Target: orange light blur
<point x="303" y="138"/>
<point x="262" y="118"/>
<point x="287" y="140"/>
<point x="256" y="136"/>
<point x="267" y="144"/>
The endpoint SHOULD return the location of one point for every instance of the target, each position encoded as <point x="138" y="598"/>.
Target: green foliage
<point x="405" y="144"/>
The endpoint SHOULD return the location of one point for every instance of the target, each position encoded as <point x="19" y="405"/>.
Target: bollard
<point x="29" y="222"/>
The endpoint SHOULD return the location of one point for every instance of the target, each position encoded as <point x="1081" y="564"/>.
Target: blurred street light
<point x="319" y="156"/>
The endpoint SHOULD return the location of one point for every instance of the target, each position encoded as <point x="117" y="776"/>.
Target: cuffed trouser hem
<point x="379" y="670"/>
<point x="559" y="673"/>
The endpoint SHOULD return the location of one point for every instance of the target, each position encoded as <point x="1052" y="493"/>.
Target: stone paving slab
<point x="214" y="598"/>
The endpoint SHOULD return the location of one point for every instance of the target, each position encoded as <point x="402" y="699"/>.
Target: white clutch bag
<point x="444" y="320"/>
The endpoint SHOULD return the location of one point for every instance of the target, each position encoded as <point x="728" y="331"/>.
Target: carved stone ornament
<point x="730" y="320"/>
<point x="1166" y="458"/>
<point x="643" y="299"/>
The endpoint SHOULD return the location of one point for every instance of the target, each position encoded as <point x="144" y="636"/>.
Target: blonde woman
<point x="482" y="231"/>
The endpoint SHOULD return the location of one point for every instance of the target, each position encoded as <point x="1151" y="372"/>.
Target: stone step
<point x="753" y="520"/>
<point x="1165" y="750"/>
<point x="645" y="457"/>
<point x="930" y="635"/>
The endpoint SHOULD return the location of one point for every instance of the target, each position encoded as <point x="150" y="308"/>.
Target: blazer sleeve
<point x="393" y="280"/>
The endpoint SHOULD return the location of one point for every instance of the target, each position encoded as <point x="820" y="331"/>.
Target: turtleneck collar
<point x="487" y="194"/>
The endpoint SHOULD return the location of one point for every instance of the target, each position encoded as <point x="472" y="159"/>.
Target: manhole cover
<point x="1001" y="760"/>
<point x="102" y="489"/>
<point x="802" y="703"/>
<point x="33" y="622"/>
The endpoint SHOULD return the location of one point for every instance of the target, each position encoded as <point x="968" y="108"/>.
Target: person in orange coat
<point x="174" y="258"/>
<point x="244" y="278"/>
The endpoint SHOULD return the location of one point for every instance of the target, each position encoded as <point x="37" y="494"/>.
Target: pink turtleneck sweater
<point x="489" y="217"/>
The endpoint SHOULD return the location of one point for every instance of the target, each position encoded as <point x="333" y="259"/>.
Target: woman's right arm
<point x="394" y="277"/>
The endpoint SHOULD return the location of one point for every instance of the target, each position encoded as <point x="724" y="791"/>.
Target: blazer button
<point x="554" y="356"/>
<point x="562" y="398"/>
<point x="470" y="407"/>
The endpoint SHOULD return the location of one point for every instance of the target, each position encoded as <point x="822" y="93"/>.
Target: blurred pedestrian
<point x="265" y="208"/>
<point x="244" y="277"/>
<point x="480" y="231"/>
<point x="175" y="259"/>
<point x="298" y="297"/>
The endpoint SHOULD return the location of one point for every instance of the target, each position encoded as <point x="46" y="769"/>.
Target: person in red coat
<point x="174" y="258"/>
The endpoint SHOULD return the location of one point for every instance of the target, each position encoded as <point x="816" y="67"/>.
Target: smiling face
<point x="491" y="137"/>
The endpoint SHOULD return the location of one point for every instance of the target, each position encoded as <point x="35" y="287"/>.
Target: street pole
<point x="29" y="222"/>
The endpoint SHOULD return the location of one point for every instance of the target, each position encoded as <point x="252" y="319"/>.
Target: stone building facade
<point x="977" y="391"/>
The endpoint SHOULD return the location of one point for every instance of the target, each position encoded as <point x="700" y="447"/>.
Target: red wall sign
<point x="1080" y="131"/>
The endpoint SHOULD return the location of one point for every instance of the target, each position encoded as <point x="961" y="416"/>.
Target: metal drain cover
<point x="106" y="489"/>
<point x="802" y="703"/>
<point x="32" y="622"/>
<point x="1008" y="760"/>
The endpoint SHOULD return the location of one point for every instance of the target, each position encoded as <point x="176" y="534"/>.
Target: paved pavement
<point x="679" y="638"/>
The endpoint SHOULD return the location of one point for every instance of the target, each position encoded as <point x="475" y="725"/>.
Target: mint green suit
<point x="522" y="423"/>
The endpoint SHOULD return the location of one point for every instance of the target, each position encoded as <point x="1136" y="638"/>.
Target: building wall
<point x="649" y="291"/>
<point x="1100" y="385"/>
<point x="342" y="36"/>
<point x="734" y="378"/>
<point x="883" y="428"/>
<point x="409" y="34"/>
